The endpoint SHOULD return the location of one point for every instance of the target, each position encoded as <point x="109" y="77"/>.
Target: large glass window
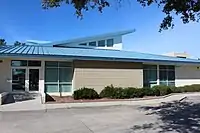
<point x="150" y="75"/>
<point x="101" y="43"/>
<point x="110" y="42"/>
<point x="92" y="44"/>
<point x="167" y="75"/>
<point x="58" y="76"/>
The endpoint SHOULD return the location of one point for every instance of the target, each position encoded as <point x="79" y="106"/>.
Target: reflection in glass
<point x="18" y="79"/>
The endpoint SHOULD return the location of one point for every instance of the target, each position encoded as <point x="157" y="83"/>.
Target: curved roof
<point x="88" y="54"/>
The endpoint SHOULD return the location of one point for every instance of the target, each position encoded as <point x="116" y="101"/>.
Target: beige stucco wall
<point x="98" y="74"/>
<point x="5" y="75"/>
<point x="187" y="75"/>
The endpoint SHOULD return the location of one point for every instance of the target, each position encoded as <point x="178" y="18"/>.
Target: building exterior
<point x="93" y="62"/>
<point x="179" y="55"/>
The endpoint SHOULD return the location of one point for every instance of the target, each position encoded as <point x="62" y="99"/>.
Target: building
<point x="93" y="62"/>
<point x="179" y="55"/>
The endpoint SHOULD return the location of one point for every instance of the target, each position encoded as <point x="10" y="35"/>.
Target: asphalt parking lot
<point x="175" y="117"/>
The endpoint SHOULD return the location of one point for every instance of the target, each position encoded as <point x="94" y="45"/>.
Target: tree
<point x="17" y="43"/>
<point x="188" y="10"/>
<point x="2" y="42"/>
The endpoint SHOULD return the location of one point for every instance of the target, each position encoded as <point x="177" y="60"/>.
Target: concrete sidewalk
<point x="35" y="104"/>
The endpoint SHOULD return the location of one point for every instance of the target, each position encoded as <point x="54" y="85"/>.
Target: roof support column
<point x="158" y="75"/>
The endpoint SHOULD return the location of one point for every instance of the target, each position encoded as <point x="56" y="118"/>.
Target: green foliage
<point x="2" y="42"/>
<point x="188" y="10"/>
<point x="149" y="91"/>
<point x="85" y="93"/>
<point x="120" y="93"/>
<point x="79" y="5"/>
<point x="177" y="89"/>
<point x="107" y="92"/>
<point x="130" y="92"/>
<point x="191" y="88"/>
<point x="17" y="43"/>
<point x="139" y="93"/>
<point x="163" y="90"/>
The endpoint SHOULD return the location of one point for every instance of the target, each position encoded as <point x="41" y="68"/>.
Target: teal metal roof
<point x="87" y="54"/>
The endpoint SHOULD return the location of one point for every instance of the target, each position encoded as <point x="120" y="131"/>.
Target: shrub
<point x="177" y="89"/>
<point x="139" y="93"/>
<point x="118" y="93"/>
<point x="191" y="88"/>
<point x="129" y="92"/>
<point x="112" y="92"/>
<point x="85" y="93"/>
<point x="149" y="91"/>
<point x="107" y="92"/>
<point x="163" y="90"/>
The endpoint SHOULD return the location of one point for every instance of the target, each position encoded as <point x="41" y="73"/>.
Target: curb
<point x="158" y="100"/>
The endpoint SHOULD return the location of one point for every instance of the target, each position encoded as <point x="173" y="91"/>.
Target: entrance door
<point x="25" y="79"/>
<point x="33" y="79"/>
<point x="18" y="79"/>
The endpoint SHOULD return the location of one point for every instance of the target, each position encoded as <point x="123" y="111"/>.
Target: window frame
<point x="100" y="45"/>
<point x="83" y="44"/>
<point x="110" y="45"/>
<point x="58" y="83"/>
<point x="94" y="42"/>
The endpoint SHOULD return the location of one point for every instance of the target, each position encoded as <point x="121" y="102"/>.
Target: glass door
<point x="33" y="79"/>
<point x="18" y="79"/>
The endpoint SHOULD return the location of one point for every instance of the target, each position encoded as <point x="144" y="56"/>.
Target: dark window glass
<point x="110" y="43"/>
<point x="34" y="63"/>
<point x="83" y="44"/>
<point x="167" y="75"/>
<point x="65" y="64"/>
<point x="163" y="75"/>
<point x="150" y="67"/>
<point x="101" y="43"/>
<point x="171" y="68"/>
<point x="162" y="67"/>
<point x="92" y="44"/>
<point x="150" y="75"/>
<point x="58" y="76"/>
<point x="171" y="75"/>
<point x="18" y="63"/>
<point x="51" y="64"/>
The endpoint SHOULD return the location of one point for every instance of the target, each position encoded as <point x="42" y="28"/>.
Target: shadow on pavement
<point x="18" y="97"/>
<point x="181" y="117"/>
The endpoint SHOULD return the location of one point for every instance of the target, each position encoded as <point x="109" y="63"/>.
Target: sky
<point x="22" y="20"/>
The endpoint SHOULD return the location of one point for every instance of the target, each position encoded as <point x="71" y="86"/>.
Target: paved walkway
<point x="35" y="104"/>
<point x="27" y="105"/>
<point x="174" y="117"/>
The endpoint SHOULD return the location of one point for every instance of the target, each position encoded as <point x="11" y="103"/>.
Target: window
<point x="110" y="42"/>
<point x="150" y="75"/>
<point x="167" y="75"/>
<point x="34" y="63"/>
<point x="58" y="76"/>
<point x="18" y="63"/>
<point x="101" y="43"/>
<point x="83" y="44"/>
<point x="92" y="44"/>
